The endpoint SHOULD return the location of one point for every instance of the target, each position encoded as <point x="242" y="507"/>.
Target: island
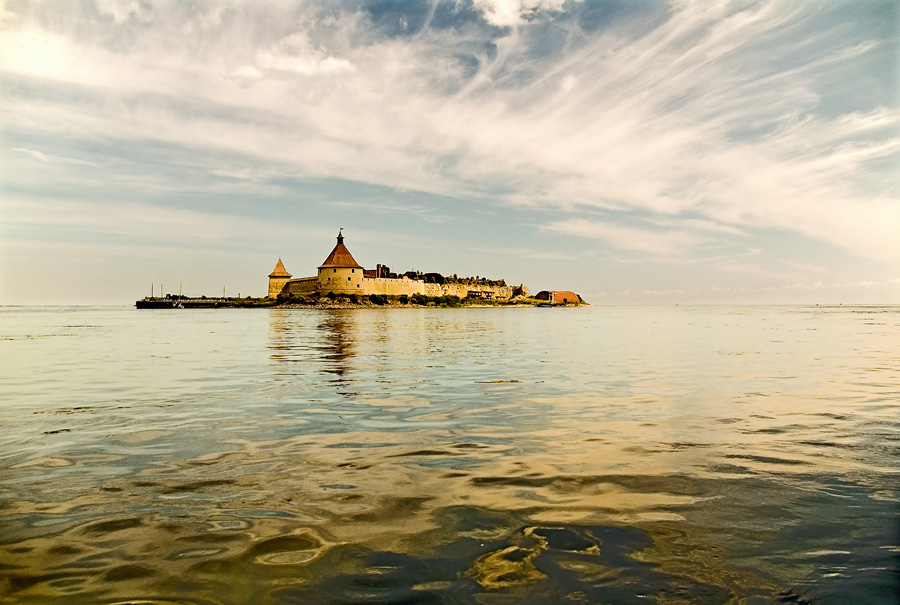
<point x="341" y="282"/>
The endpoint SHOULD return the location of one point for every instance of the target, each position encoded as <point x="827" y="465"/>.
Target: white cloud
<point x="296" y="53"/>
<point x="507" y="13"/>
<point x="43" y="157"/>
<point x="707" y="124"/>
<point x="306" y="65"/>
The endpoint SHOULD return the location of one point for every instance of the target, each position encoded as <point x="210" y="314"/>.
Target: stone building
<point x="341" y="274"/>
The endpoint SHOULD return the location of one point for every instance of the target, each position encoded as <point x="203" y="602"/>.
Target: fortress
<point x="342" y="275"/>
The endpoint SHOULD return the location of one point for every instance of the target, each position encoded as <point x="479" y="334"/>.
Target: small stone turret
<point x="277" y="279"/>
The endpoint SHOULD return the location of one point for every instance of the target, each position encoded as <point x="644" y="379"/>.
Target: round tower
<point x="340" y="273"/>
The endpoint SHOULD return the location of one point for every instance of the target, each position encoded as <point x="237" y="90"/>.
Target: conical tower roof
<point x="279" y="270"/>
<point x="340" y="257"/>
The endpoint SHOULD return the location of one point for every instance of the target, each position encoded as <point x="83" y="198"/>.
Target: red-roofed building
<point x="340" y="257"/>
<point x="341" y="274"/>
<point x="558" y="297"/>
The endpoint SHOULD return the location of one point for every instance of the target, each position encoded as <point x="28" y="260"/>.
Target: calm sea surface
<point x="594" y="455"/>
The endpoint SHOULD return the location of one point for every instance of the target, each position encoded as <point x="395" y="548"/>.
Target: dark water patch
<point x="641" y="450"/>
<point x="777" y="430"/>
<point x="388" y="508"/>
<point x="93" y="562"/>
<point x="124" y="573"/>
<point x="358" y="445"/>
<point x="196" y="486"/>
<point x="64" y="549"/>
<point x="212" y="538"/>
<point x="730" y="469"/>
<point x="74" y="410"/>
<point x="15" y="583"/>
<point x="353" y="466"/>
<point x="513" y="481"/>
<point x="866" y="575"/>
<point x="164" y="601"/>
<point x="687" y="445"/>
<point x="833" y="415"/>
<point x="426" y="453"/>
<point x="384" y="577"/>
<point x="56" y="432"/>
<point x="590" y="564"/>
<point x="108" y="527"/>
<point x="769" y="459"/>
<point x="667" y="484"/>
<point x="565" y="539"/>
<point x="823" y="443"/>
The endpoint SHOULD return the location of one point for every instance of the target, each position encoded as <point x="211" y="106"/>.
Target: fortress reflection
<point x="338" y="332"/>
<point x="336" y="338"/>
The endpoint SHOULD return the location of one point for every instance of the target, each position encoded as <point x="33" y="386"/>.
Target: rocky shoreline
<point x="341" y="302"/>
<point x="366" y="304"/>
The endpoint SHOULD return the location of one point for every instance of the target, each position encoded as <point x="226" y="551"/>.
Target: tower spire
<point x="340" y="256"/>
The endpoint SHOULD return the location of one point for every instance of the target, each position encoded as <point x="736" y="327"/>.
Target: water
<point x="597" y="455"/>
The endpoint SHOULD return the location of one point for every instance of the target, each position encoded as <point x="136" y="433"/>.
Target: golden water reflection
<point x="382" y="456"/>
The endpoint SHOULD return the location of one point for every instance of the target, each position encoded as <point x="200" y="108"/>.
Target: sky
<point x="633" y="151"/>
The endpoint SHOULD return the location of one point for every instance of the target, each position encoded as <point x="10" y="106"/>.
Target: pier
<point x="159" y="302"/>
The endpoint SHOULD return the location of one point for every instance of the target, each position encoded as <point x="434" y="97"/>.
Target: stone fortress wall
<point x="480" y="290"/>
<point x="341" y="274"/>
<point x="392" y="287"/>
<point x="306" y="285"/>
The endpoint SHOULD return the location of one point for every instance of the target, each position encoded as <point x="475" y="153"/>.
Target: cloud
<point x="427" y="214"/>
<point x="123" y="10"/>
<point x="43" y="157"/>
<point x="709" y="120"/>
<point x="138" y="222"/>
<point x="661" y="244"/>
<point x="866" y="292"/>
<point x="295" y="53"/>
<point x="507" y="13"/>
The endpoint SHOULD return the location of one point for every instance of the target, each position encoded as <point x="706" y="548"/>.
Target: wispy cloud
<point x="140" y="222"/>
<point x="427" y="214"/>
<point x="705" y="120"/>
<point x="683" y="117"/>
<point x="43" y="157"/>
<point x="850" y="292"/>
<point x="659" y="244"/>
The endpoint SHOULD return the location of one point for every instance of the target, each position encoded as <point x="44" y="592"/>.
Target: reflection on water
<point x="335" y="340"/>
<point x="615" y="455"/>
